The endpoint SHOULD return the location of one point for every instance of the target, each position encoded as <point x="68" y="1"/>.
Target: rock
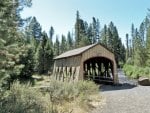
<point x="144" y="81"/>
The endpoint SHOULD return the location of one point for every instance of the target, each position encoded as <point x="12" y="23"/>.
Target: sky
<point x="61" y="14"/>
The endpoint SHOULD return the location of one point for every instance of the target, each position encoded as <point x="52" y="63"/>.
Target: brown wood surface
<point x="72" y="68"/>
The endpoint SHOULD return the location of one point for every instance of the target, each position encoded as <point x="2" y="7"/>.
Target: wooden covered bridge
<point x="93" y="62"/>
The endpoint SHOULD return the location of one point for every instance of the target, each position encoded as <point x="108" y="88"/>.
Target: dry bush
<point x="23" y="99"/>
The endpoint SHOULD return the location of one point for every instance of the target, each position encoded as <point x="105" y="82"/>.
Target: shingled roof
<point x="74" y="51"/>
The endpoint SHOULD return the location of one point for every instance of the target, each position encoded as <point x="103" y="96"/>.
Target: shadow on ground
<point x="123" y="86"/>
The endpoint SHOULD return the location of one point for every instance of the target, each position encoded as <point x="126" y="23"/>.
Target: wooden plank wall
<point x="67" y="69"/>
<point x="71" y="68"/>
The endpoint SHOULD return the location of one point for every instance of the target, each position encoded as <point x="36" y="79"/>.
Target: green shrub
<point x="147" y="71"/>
<point x="128" y="69"/>
<point x="135" y="71"/>
<point x="67" y="91"/>
<point x="23" y="99"/>
<point x="86" y="87"/>
<point x="26" y="99"/>
<point x="129" y="61"/>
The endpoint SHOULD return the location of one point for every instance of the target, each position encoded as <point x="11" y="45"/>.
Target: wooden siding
<point x="71" y="68"/>
<point x="98" y="51"/>
<point x="69" y="61"/>
<point x="67" y="69"/>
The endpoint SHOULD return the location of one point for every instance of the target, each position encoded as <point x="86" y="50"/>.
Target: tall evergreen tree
<point x="148" y="47"/>
<point x="133" y="39"/>
<point x="109" y="39"/>
<point x="11" y="39"/>
<point x="34" y="29"/>
<point x="63" y="46"/>
<point x="56" y="46"/>
<point x="139" y="50"/>
<point x="122" y="53"/>
<point x="142" y="32"/>
<point x="117" y="44"/>
<point x="48" y="56"/>
<point x="51" y="34"/>
<point x="80" y="31"/>
<point x="40" y="55"/>
<point x="127" y="45"/>
<point x="29" y="64"/>
<point x="104" y="39"/>
<point x="70" y="43"/>
<point x="95" y="30"/>
<point x="77" y="29"/>
<point x="98" y="29"/>
<point x="34" y="43"/>
<point x="90" y="34"/>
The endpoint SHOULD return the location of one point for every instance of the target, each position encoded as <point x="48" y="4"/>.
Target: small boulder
<point x="144" y="81"/>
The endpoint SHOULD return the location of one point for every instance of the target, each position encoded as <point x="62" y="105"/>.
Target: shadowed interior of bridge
<point x="98" y="69"/>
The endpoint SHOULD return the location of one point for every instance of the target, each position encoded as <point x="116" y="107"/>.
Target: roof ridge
<point x="74" y="52"/>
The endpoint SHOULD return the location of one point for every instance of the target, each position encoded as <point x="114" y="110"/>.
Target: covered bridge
<point x="94" y="62"/>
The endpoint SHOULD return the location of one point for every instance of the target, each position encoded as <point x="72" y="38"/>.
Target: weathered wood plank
<point x="72" y="67"/>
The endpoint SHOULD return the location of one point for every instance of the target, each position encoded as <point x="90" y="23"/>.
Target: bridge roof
<point x="74" y="51"/>
<point x="77" y="51"/>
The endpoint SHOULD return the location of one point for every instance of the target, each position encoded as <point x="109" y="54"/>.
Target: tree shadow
<point x="123" y="86"/>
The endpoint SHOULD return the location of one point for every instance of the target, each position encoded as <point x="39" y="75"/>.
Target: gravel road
<point x="128" y="97"/>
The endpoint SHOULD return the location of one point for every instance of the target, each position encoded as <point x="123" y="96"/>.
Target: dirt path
<point x="125" y="98"/>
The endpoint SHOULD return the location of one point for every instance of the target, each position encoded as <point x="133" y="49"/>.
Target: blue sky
<point x="61" y="14"/>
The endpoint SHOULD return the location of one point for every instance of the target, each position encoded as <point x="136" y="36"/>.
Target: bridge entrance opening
<point x="99" y="69"/>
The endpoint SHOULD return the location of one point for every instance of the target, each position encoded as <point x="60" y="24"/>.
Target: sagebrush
<point x="22" y="98"/>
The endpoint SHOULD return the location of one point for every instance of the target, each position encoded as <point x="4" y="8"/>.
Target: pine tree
<point x="77" y="29"/>
<point x="116" y="42"/>
<point x="111" y="34"/>
<point x="34" y="43"/>
<point x="48" y="57"/>
<point x="11" y="40"/>
<point x="63" y="46"/>
<point x="95" y="30"/>
<point x="34" y="29"/>
<point x="56" y="47"/>
<point x="148" y="47"/>
<point x="70" y="43"/>
<point x="139" y="51"/>
<point x="104" y="39"/>
<point x="142" y="32"/>
<point x="40" y="55"/>
<point x="51" y="34"/>
<point x="90" y="34"/>
<point x="80" y="31"/>
<point x="122" y="53"/>
<point x="98" y="30"/>
<point x="84" y="41"/>
<point x="133" y="39"/>
<point x="109" y="39"/>
<point x="127" y="45"/>
<point x="40" y="59"/>
<point x="29" y="64"/>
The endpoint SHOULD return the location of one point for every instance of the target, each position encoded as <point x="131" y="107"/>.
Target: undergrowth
<point x="58" y="97"/>
<point x="135" y="71"/>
